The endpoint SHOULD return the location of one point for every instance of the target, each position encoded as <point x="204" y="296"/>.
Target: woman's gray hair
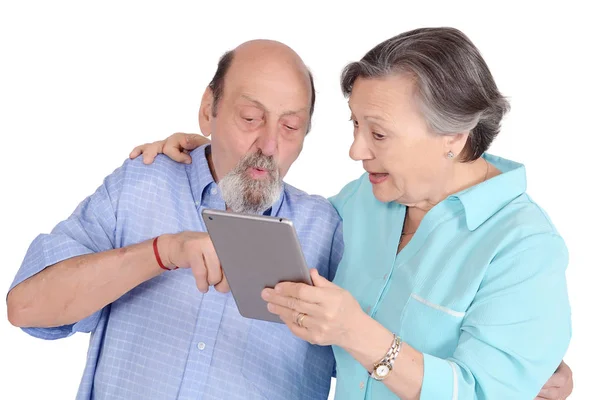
<point x="456" y="90"/>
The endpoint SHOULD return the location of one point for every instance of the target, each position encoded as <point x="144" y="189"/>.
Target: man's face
<point x="253" y="185"/>
<point x="259" y="130"/>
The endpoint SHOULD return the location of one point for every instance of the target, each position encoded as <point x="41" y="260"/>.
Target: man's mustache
<point x="257" y="160"/>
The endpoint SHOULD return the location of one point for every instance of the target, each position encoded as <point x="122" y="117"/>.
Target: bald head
<point x="268" y="57"/>
<point x="264" y="52"/>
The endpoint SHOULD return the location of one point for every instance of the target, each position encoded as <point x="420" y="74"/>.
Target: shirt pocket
<point x="280" y="365"/>
<point x="431" y="328"/>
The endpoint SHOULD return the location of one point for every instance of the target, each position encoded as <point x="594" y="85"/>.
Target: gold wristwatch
<point x="382" y="369"/>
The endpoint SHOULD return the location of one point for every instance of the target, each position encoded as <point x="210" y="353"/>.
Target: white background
<point x="81" y="83"/>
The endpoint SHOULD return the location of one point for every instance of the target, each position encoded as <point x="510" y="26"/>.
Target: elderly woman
<point x="452" y="284"/>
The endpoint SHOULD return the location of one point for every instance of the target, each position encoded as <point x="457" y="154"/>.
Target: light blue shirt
<point x="480" y="289"/>
<point x="165" y="339"/>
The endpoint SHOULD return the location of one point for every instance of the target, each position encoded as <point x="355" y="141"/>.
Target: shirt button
<point x="385" y="277"/>
<point x="362" y="385"/>
<point x="213" y="191"/>
<point x="201" y="346"/>
<point x="368" y="309"/>
<point x="197" y="203"/>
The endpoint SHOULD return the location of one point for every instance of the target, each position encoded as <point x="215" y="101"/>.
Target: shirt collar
<point x="199" y="171"/>
<point x="486" y="199"/>
<point x="201" y="177"/>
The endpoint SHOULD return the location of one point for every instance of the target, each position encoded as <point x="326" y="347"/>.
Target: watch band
<point x="382" y="369"/>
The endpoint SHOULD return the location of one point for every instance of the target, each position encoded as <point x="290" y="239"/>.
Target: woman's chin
<point x="383" y="195"/>
<point x="387" y="193"/>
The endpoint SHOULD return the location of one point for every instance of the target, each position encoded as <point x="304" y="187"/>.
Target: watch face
<point x="382" y="370"/>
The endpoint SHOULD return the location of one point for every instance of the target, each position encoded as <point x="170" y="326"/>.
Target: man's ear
<point x="205" y="114"/>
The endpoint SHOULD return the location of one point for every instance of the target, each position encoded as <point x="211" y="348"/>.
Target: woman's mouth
<point x="376" y="178"/>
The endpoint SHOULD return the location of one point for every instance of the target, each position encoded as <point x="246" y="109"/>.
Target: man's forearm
<point x="73" y="289"/>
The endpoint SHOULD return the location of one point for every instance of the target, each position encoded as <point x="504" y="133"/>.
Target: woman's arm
<point x="500" y="353"/>
<point x="370" y="341"/>
<point x="334" y="317"/>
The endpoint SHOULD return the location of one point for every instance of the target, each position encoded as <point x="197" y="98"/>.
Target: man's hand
<point x="176" y="147"/>
<point x="194" y="250"/>
<point x="559" y="386"/>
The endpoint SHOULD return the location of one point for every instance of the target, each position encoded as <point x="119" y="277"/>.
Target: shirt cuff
<point x="86" y="325"/>
<point x="439" y="379"/>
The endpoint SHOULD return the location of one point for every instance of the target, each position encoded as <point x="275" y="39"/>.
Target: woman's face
<point x="406" y="162"/>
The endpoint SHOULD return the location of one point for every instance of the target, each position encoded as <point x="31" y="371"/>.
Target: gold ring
<point x="299" y="318"/>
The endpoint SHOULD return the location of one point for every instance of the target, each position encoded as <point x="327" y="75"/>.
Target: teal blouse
<point x="480" y="289"/>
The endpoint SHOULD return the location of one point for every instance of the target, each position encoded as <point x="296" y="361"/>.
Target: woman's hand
<point x="559" y="386"/>
<point x="176" y="147"/>
<point x="332" y="314"/>
<point x="326" y="314"/>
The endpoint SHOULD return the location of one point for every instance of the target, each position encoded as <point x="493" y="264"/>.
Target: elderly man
<point x="133" y="266"/>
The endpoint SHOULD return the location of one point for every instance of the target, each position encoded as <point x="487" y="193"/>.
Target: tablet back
<point x="255" y="252"/>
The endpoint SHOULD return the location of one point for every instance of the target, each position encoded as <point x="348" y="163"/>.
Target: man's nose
<point x="267" y="142"/>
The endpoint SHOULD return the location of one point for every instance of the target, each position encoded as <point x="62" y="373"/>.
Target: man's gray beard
<point x="243" y="194"/>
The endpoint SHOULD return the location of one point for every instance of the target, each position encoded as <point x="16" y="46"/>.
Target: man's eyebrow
<point x="256" y="102"/>
<point x="262" y="106"/>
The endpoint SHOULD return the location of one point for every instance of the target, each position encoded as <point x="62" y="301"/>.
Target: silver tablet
<point x="255" y="252"/>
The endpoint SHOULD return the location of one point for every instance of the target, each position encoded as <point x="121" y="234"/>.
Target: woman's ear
<point x="456" y="142"/>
